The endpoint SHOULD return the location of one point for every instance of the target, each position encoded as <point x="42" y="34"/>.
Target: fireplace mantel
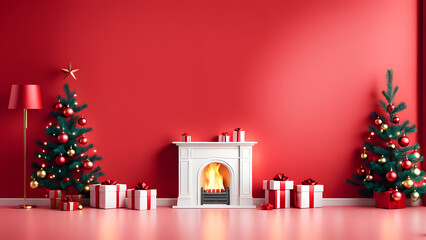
<point x="194" y="156"/>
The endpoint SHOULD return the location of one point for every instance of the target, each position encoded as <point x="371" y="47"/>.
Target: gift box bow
<point x="109" y="182"/>
<point x="309" y="181"/>
<point x="141" y="186"/>
<point x="225" y="134"/>
<point x="185" y="134"/>
<point x="267" y="206"/>
<point x="66" y="199"/>
<point x="280" y="177"/>
<point x="238" y="129"/>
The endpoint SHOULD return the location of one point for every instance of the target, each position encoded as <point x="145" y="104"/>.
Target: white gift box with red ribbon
<point x="108" y="196"/>
<point x="278" y="193"/>
<point x="238" y="135"/>
<point x="308" y="196"/>
<point x="142" y="199"/>
<point x="68" y="206"/>
<point x="55" y="194"/>
<point x="225" y="137"/>
<point x="186" y="137"/>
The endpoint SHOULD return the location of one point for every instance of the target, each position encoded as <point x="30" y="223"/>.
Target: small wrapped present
<point x="309" y="194"/>
<point x="76" y="197"/>
<point x="142" y="198"/>
<point x="109" y="194"/>
<point x="277" y="191"/>
<point x="238" y="135"/>
<point x="267" y="206"/>
<point x="55" y="194"/>
<point x="186" y="137"/>
<point x="225" y="137"/>
<point x="54" y="203"/>
<point x="385" y="200"/>
<point x="67" y="204"/>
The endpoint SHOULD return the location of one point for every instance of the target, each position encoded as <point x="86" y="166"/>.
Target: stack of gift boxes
<point x="282" y="193"/>
<point x="238" y="135"/>
<point x="108" y="195"/>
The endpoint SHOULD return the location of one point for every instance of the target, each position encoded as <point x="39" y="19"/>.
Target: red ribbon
<point x="238" y="129"/>
<point x="311" y="195"/>
<point x="118" y="197"/>
<point x="109" y="182"/>
<point x="149" y="200"/>
<point x="142" y="186"/>
<point x="185" y="134"/>
<point x="97" y="195"/>
<point x="267" y="206"/>
<point x="273" y="198"/>
<point x="309" y="181"/>
<point x="280" y="177"/>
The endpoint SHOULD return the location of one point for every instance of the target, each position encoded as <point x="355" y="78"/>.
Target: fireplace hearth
<point x="221" y="197"/>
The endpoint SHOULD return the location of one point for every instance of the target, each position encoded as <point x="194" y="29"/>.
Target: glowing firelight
<point x="214" y="178"/>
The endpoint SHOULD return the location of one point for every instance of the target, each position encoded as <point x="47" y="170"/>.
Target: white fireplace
<point x="234" y="157"/>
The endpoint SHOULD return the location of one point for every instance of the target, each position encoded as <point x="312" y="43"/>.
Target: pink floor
<point x="167" y="223"/>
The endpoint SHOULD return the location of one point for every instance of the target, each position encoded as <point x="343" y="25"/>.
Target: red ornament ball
<point x="63" y="138"/>
<point x="391" y="107"/>
<point x="395" y="119"/>
<point x="83" y="140"/>
<point x="60" y="160"/>
<point x="58" y="106"/>
<point x="82" y="121"/>
<point x="378" y="121"/>
<point x="404" y="141"/>
<point x="68" y="111"/>
<point x="391" y="176"/>
<point x="406" y="164"/>
<point x="66" y="179"/>
<point x="88" y="164"/>
<point x="396" y="195"/>
<point x="360" y="171"/>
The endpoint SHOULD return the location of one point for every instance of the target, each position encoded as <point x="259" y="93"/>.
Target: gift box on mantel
<point x="67" y="204"/>
<point x="225" y="137"/>
<point x="238" y="135"/>
<point x="309" y="194"/>
<point x="186" y="137"/>
<point x="387" y="200"/>
<point x="142" y="198"/>
<point x="108" y="194"/>
<point x="277" y="191"/>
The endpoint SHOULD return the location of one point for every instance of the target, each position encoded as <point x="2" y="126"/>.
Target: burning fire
<point x="214" y="178"/>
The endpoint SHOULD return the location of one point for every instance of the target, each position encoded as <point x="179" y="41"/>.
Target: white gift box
<point x="186" y="138"/>
<point x="224" y="138"/>
<point x="55" y="193"/>
<point x="307" y="196"/>
<point x="142" y="199"/>
<point x="277" y="185"/>
<point x="108" y="196"/>
<point x="68" y="206"/>
<point x="238" y="136"/>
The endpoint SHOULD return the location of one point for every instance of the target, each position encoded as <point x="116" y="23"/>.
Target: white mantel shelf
<point x="222" y="144"/>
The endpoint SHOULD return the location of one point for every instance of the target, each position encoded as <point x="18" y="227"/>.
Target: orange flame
<point x="214" y="178"/>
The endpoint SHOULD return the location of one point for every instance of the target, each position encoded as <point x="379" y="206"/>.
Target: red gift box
<point x="54" y="203"/>
<point x="186" y="137"/>
<point x="68" y="206"/>
<point x="384" y="200"/>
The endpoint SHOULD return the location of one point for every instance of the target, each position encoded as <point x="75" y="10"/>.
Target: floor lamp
<point x="25" y="97"/>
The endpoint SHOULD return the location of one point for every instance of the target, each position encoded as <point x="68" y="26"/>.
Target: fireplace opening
<point x="215" y="182"/>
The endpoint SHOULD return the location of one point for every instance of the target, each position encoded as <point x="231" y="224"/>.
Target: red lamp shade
<point x="25" y="96"/>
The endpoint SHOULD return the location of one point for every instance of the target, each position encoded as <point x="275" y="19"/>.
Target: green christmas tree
<point x="389" y="161"/>
<point x="64" y="162"/>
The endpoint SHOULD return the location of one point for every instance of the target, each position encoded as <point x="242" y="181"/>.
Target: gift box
<point x="142" y="198"/>
<point x="225" y="137"/>
<point x="309" y="194"/>
<point x="277" y="191"/>
<point x="238" y="135"/>
<point x="76" y="197"/>
<point x="109" y="194"/>
<point x="55" y="194"/>
<point x="54" y="203"/>
<point x="68" y="205"/>
<point x="186" y="137"/>
<point x="384" y="200"/>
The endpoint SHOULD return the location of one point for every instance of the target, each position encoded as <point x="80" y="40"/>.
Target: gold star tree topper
<point x="69" y="71"/>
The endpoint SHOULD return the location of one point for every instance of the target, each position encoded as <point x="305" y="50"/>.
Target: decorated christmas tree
<point x="64" y="162"/>
<point x="389" y="162"/>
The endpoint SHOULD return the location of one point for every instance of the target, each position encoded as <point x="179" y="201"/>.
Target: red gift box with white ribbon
<point x="55" y="194"/>
<point x="109" y="194"/>
<point x="186" y="137"/>
<point x="309" y="194"/>
<point x="238" y="135"/>
<point x="67" y="204"/>
<point x="142" y="198"/>
<point x="277" y="191"/>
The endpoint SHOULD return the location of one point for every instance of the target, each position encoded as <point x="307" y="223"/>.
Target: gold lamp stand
<point x="25" y="206"/>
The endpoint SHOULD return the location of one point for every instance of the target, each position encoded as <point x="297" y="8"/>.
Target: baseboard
<point x="168" y="202"/>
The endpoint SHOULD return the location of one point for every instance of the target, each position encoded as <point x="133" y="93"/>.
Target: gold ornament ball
<point x="86" y="188"/>
<point x="34" y="184"/>
<point x="58" y="127"/>
<point x="382" y="160"/>
<point x="417" y="171"/>
<point x="414" y="196"/>
<point x="364" y="155"/>
<point x="80" y="207"/>
<point x="408" y="183"/>
<point x="41" y="173"/>
<point x="384" y="127"/>
<point x="71" y="152"/>
<point x="416" y="154"/>
<point x="369" y="177"/>
<point x="392" y="146"/>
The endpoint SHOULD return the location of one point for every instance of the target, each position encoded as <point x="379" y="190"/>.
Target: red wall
<point x="300" y="76"/>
